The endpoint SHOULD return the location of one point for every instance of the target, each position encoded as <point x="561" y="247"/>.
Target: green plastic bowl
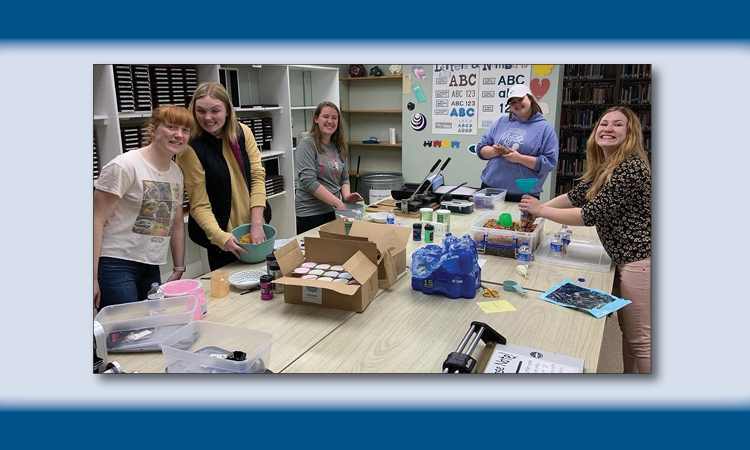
<point x="255" y="252"/>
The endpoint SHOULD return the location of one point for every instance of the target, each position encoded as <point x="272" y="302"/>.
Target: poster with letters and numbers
<point x="494" y="82"/>
<point x="454" y="99"/>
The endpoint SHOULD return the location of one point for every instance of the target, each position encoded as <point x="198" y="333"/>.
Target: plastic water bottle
<point x="556" y="246"/>
<point x="155" y="292"/>
<point x="565" y="236"/>
<point x="524" y="254"/>
<point x="391" y="219"/>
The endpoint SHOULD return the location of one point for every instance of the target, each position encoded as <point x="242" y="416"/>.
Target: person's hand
<point x="175" y="276"/>
<point x="530" y="204"/>
<point x="354" y="197"/>
<point x="231" y="245"/>
<point x="257" y="234"/>
<point x="97" y="294"/>
<point x="499" y="149"/>
<point x="511" y="156"/>
<point x="339" y="204"/>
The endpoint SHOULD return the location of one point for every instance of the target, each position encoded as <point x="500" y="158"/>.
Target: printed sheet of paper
<point x="511" y="358"/>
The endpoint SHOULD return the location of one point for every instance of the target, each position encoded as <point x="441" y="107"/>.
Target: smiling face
<point x="612" y="130"/>
<point x="521" y="107"/>
<point x="170" y="138"/>
<point x="211" y="114"/>
<point x="328" y="122"/>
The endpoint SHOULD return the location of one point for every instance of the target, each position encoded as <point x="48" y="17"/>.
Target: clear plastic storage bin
<point x="499" y="242"/>
<point x="582" y="254"/>
<point x="141" y="326"/>
<point x="489" y="198"/>
<point x="211" y="343"/>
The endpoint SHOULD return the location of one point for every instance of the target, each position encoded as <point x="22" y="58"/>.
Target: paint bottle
<point x="428" y="232"/>
<point x="417" y="231"/>
<point x="266" y="288"/>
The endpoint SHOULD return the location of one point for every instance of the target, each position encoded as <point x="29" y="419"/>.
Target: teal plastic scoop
<point x="526" y="185"/>
<point x="512" y="286"/>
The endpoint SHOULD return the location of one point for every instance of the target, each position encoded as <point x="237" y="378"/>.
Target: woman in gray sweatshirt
<point x="320" y="161"/>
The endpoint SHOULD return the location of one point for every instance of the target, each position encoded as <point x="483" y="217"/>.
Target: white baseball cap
<point x="518" y="90"/>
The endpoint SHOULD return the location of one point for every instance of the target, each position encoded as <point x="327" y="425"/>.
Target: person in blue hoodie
<point x="520" y="145"/>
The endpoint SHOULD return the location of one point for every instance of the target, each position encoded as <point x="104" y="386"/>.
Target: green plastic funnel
<point x="526" y="185"/>
<point x="505" y="220"/>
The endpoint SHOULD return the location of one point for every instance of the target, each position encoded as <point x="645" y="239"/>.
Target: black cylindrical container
<point x="417" y="231"/>
<point x="269" y="259"/>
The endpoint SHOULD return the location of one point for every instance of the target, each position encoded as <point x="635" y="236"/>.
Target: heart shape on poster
<point x="539" y="87"/>
<point x="419" y="72"/>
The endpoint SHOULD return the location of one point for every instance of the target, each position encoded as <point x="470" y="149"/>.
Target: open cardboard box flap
<point x="384" y="236"/>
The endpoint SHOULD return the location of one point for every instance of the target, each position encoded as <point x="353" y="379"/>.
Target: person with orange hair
<point x="138" y="213"/>
<point x="614" y="195"/>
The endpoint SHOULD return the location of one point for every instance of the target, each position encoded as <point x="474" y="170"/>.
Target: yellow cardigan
<point x="242" y="203"/>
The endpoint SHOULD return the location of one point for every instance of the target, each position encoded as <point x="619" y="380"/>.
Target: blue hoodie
<point x="535" y="137"/>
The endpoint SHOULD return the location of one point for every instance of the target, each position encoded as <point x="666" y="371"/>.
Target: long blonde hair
<point x="337" y="139"/>
<point x="598" y="169"/>
<point x="217" y="91"/>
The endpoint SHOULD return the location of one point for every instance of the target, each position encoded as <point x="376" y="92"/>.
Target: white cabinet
<point x="293" y="90"/>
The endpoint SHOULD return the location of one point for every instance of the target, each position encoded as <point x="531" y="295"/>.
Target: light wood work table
<point x="404" y="330"/>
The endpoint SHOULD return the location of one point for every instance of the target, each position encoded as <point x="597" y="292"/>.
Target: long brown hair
<point x="337" y="138"/>
<point x="598" y="169"/>
<point x="217" y="91"/>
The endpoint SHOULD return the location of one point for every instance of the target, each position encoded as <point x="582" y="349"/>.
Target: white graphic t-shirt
<point x="141" y="225"/>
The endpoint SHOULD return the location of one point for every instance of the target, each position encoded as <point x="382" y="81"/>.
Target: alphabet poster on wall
<point x="454" y="98"/>
<point x="494" y="81"/>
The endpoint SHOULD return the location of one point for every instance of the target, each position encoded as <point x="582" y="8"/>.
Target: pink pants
<point x="634" y="280"/>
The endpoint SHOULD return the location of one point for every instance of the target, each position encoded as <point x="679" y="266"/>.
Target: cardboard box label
<point x="312" y="295"/>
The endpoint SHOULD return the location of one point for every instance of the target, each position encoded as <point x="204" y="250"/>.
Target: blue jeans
<point x="122" y="281"/>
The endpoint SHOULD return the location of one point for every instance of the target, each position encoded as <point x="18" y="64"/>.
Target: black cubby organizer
<point x="96" y="159"/>
<point x="588" y="90"/>
<point x="262" y="128"/>
<point x="143" y="87"/>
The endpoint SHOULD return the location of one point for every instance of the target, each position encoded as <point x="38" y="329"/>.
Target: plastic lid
<point x="429" y="226"/>
<point x="417" y="225"/>
<point x="581" y="280"/>
<point x="154" y="284"/>
<point x="266" y="278"/>
<point x="271" y="257"/>
<point x="274" y="265"/>
<point x="525" y="243"/>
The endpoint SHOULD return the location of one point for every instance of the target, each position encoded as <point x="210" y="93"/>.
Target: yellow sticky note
<point x="496" y="306"/>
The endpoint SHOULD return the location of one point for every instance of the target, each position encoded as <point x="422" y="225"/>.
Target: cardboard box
<point x="391" y="241"/>
<point x="359" y="259"/>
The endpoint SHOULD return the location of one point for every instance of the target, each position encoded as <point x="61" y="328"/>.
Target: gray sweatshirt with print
<point x="314" y="170"/>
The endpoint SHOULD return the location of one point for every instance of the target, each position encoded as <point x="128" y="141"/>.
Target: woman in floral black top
<point x="614" y="195"/>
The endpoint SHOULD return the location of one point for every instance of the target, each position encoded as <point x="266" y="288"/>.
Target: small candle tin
<point x="338" y="268"/>
<point x="309" y="277"/>
<point x="331" y="273"/>
<point x="309" y="265"/>
<point x="315" y="272"/>
<point x="323" y="266"/>
<point x="345" y="275"/>
<point x="325" y="279"/>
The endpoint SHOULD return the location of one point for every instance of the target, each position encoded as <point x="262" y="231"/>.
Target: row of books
<point x="574" y="143"/>
<point x="636" y="70"/>
<point x="262" y="128"/>
<point x="143" y="88"/>
<point x="645" y="118"/>
<point x="589" y="71"/>
<point x="571" y="167"/>
<point x="600" y="93"/>
<point x="274" y="184"/>
<point x="580" y="118"/>
<point x="636" y="94"/>
<point x="564" y="186"/>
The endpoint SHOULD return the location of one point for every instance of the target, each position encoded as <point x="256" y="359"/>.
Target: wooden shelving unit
<point x="589" y="90"/>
